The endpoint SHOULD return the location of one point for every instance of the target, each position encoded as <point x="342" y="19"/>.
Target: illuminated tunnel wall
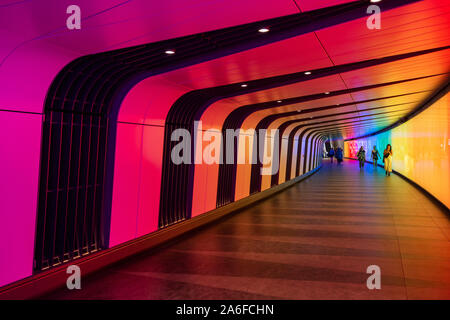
<point x="99" y="120"/>
<point x="85" y="128"/>
<point x="86" y="137"/>
<point x="421" y="148"/>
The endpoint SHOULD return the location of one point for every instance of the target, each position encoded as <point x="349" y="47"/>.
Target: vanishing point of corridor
<point x="313" y="241"/>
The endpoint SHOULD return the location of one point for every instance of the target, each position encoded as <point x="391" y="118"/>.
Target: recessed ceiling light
<point x="327" y="92"/>
<point x="308" y="72"/>
<point x="279" y="101"/>
<point x="263" y="30"/>
<point x="243" y="85"/>
<point x="298" y="110"/>
<point x="375" y="1"/>
<point x="170" y="52"/>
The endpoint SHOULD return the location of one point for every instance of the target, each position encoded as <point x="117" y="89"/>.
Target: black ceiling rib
<point x="309" y="152"/>
<point x="227" y="172"/>
<point x="256" y="177"/>
<point x="439" y="93"/>
<point x="313" y="151"/>
<point x="352" y="124"/>
<point x="181" y="115"/>
<point x="225" y="190"/>
<point x="361" y="125"/>
<point x="268" y="120"/>
<point x="255" y="185"/>
<point x="290" y="146"/>
<point x="328" y="125"/>
<point x="237" y="116"/>
<point x="191" y="106"/>
<point x="81" y="110"/>
<point x="310" y="134"/>
<point x="293" y="133"/>
<point x="324" y="130"/>
<point x="265" y="124"/>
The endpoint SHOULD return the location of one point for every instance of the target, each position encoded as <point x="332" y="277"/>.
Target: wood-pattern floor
<point x="312" y="241"/>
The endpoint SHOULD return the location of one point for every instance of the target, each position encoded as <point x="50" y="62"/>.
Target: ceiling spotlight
<point x="308" y="72"/>
<point x="243" y="85"/>
<point x="170" y="52"/>
<point x="375" y="1"/>
<point x="263" y="30"/>
<point x="327" y="92"/>
<point x="279" y="101"/>
<point x="298" y="110"/>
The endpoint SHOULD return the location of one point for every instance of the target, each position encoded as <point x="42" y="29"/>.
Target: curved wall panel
<point x="421" y="148"/>
<point x="138" y="158"/>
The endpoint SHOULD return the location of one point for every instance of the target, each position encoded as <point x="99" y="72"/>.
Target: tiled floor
<point x="312" y="241"/>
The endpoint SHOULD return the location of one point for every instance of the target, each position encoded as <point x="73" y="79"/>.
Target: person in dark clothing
<point x="331" y="154"/>
<point x="361" y="155"/>
<point x="375" y="156"/>
<point x="339" y="155"/>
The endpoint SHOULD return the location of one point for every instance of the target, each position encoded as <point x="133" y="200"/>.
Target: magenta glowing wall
<point x="20" y="152"/>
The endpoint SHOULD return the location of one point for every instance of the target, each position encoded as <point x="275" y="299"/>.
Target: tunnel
<point x="238" y="149"/>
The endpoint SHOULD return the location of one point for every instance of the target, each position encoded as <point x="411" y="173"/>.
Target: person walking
<point x="375" y="157"/>
<point x="331" y="154"/>
<point x="339" y="155"/>
<point x="361" y="155"/>
<point x="387" y="159"/>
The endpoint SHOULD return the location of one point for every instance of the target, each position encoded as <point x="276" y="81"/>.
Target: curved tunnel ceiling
<point x="350" y="78"/>
<point x="234" y="77"/>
